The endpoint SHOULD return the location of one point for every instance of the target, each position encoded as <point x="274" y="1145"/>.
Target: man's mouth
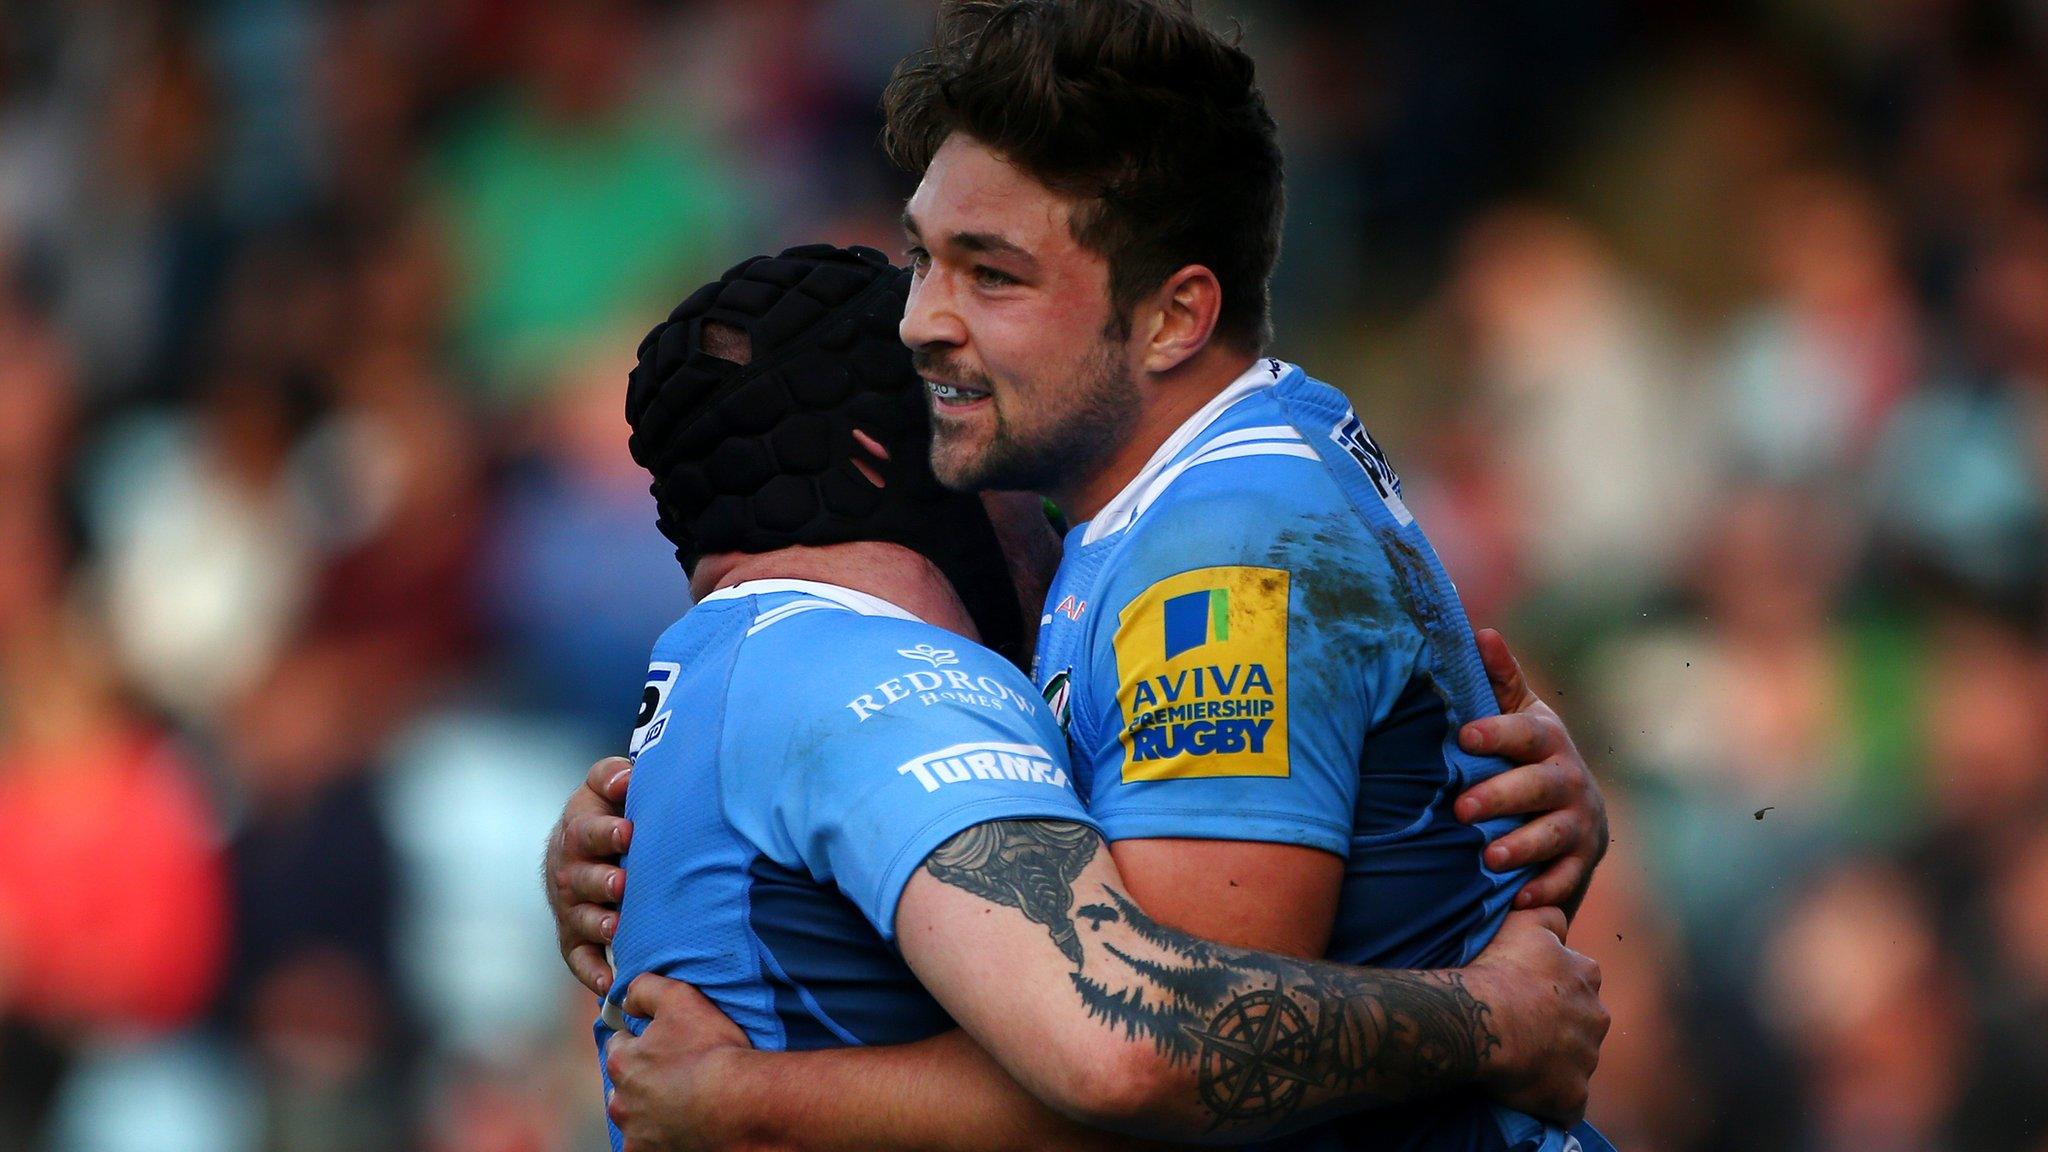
<point x="955" y="395"/>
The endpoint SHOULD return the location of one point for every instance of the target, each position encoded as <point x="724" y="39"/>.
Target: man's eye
<point x="920" y="260"/>
<point x="991" y="278"/>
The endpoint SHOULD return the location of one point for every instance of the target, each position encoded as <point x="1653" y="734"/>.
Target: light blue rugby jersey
<point x="800" y="749"/>
<point x="1254" y="641"/>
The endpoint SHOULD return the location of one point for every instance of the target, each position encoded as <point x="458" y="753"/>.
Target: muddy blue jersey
<point x="800" y="749"/>
<point x="1254" y="641"/>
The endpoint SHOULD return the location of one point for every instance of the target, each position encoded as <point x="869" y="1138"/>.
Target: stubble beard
<point x="1097" y="412"/>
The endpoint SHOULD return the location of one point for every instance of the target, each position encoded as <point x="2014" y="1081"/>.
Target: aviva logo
<point x="1195" y="618"/>
<point x="1202" y="676"/>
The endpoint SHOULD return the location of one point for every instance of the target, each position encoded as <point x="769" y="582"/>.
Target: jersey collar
<point x="848" y="598"/>
<point x="1125" y="505"/>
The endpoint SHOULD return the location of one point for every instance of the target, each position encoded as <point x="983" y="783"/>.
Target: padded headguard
<point x="761" y="456"/>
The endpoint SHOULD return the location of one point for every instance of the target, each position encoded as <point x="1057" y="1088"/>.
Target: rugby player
<point x="1096" y="221"/>
<point x="863" y="805"/>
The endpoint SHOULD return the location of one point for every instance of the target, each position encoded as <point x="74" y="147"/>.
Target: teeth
<point x="952" y="394"/>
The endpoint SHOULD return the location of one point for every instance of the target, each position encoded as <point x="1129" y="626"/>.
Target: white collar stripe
<point x="770" y="619"/>
<point x="1300" y="451"/>
<point x="1247" y="435"/>
<point x="847" y="598"/>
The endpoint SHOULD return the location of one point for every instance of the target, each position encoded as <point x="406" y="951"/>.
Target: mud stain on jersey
<point x="1336" y="589"/>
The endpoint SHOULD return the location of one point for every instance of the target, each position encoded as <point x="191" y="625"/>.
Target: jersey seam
<point x="725" y="737"/>
<point x="766" y="957"/>
<point x="761" y="958"/>
<point x="725" y="730"/>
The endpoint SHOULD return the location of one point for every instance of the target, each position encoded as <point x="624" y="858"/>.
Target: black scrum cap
<point x="755" y="457"/>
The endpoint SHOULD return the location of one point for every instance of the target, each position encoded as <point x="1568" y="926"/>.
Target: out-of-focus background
<point x="1712" y="340"/>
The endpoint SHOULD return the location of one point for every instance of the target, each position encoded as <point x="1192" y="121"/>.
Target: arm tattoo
<point x="1028" y="865"/>
<point x="1266" y="1035"/>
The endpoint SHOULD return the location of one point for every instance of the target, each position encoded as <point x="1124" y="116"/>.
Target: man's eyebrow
<point x="988" y="242"/>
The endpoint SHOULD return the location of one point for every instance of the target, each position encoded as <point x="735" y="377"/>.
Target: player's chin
<point x="961" y="445"/>
<point x="956" y="464"/>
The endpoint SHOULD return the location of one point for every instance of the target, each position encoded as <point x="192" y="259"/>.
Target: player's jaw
<point x="1027" y="435"/>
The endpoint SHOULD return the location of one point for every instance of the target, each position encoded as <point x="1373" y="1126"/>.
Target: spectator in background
<point x="574" y="631"/>
<point x="567" y="203"/>
<point x="1859" y="988"/>
<point x="393" y="597"/>
<point x="1814" y="370"/>
<point x="1762" y="696"/>
<point x="310" y="992"/>
<point x="132" y="241"/>
<point x="112" y="893"/>
<point x="1580" y="395"/>
<point x="1963" y="473"/>
<point x="2009" y="1065"/>
<point x="112" y="890"/>
<point x="203" y="525"/>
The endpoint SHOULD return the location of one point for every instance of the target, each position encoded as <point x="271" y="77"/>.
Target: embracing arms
<point x="688" y="1081"/>
<point x="1024" y="931"/>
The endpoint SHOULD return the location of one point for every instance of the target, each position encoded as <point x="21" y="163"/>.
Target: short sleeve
<point x="885" y="739"/>
<point x="1252" y="633"/>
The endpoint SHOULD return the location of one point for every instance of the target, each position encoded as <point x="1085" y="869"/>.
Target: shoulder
<point x="1283" y="559"/>
<point x="1282" y="513"/>
<point x="838" y="675"/>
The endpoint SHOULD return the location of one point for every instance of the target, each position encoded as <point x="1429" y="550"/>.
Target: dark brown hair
<point x="1132" y="106"/>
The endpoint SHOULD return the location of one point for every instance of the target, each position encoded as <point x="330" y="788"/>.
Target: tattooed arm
<point x="1024" y="932"/>
<point x="993" y="922"/>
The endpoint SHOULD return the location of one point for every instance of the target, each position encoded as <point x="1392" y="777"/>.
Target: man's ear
<point x="1180" y="317"/>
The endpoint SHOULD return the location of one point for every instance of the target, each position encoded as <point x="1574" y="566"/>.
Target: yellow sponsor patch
<point x="1201" y="668"/>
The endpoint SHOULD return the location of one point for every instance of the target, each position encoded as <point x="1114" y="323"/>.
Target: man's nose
<point x="931" y="317"/>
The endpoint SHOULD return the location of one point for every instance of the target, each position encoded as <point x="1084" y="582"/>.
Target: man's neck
<point x="888" y="572"/>
<point x="1169" y="401"/>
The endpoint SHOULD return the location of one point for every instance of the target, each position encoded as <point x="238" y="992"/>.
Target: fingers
<point x="1548" y="920"/>
<point x="593" y="837"/>
<point x="1520" y="737"/>
<point x="1540" y="841"/>
<point x="1510" y="687"/>
<point x="590" y="923"/>
<point x="1542" y="786"/>
<point x="608" y="779"/>
<point x="1551" y="920"/>
<point x="1559" y="885"/>
<point x="589" y="884"/>
<point x="588" y="964"/>
<point x="646" y="993"/>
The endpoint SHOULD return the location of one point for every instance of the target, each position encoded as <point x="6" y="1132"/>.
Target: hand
<point x="1569" y="830"/>
<point x="584" y="882"/>
<point x="1547" y="1013"/>
<point x="665" y="1080"/>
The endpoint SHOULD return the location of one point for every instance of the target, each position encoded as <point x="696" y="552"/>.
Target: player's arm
<point x="1026" y="933"/>
<point x="690" y="1083"/>
<point x="1023" y="931"/>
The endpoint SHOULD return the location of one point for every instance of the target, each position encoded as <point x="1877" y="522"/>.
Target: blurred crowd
<point x="1712" y="341"/>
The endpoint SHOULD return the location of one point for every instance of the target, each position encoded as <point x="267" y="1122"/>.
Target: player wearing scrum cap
<point x="855" y="825"/>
